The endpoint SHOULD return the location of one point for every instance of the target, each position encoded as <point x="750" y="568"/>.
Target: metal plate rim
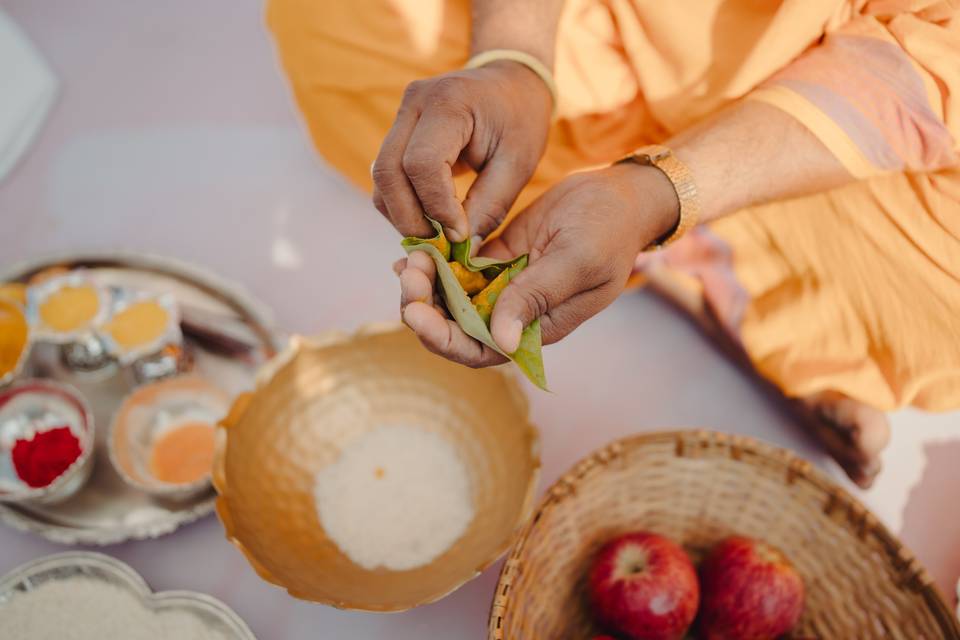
<point x="231" y="290"/>
<point x="202" y="275"/>
<point x="102" y="537"/>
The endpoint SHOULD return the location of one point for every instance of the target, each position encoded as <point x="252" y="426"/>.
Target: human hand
<point x="583" y="237"/>
<point x="493" y="119"/>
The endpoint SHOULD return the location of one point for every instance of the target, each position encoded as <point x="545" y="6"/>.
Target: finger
<point x="399" y="200"/>
<point x="379" y="204"/>
<point x="558" y="275"/>
<point x="428" y="160"/>
<point x="557" y="323"/>
<point x="496" y="249"/>
<point x="399" y="266"/>
<point x="415" y="287"/>
<point x="420" y="260"/>
<point x="493" y="193"/>
<point x="517" y="238"/>
<point x="445" y="337"/>
<point x="505" y="247"/>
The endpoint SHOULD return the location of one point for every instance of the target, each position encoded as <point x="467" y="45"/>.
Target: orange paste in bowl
<point x="184" y="454"/>
<point x="14" y="334"/>
<point x="138" y="324"/>
<point x="70" y="308"/>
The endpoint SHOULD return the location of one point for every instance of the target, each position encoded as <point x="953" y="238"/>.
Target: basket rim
<point x="749" y="450"/>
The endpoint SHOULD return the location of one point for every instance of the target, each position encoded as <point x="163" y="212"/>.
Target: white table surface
<point x="175" y="134"/>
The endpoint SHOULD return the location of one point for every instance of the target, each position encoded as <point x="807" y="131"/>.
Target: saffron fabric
<point x="855" y="290"/>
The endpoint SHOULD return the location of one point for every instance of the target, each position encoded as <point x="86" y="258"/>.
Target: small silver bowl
<point x="126" y="302"/>
<point x="39" y="294"/>
<point x="173" y="360"/>
<point x="33" y="406"/>
<point x="148" y="413"/>
<point x="81" y="349"/>
<point x="87" y="356"/>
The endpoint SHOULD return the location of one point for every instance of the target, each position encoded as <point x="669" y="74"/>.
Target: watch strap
<point x="682" y="180"/>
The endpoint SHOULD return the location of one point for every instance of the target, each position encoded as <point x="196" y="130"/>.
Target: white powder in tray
<point x="397" y="497"/>
<point x="83" y="608"/>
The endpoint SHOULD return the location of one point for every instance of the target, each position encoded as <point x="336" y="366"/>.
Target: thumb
<point x="493" y="193"/>
<point x="543" y="286"/>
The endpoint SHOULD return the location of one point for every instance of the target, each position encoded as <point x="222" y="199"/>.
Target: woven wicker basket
<point x="698" y="487"/>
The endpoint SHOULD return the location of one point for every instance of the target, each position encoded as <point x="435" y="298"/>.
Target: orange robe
<point x="855" y="290"/>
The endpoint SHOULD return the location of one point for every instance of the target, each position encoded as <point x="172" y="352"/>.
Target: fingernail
<point x="453" y="235"/>
<point x="510" y="341"/>
<point x="475" y="242"/>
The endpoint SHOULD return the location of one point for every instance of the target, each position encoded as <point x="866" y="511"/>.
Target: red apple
<point x="750" y="591"/>
<point x="643" y="587"/>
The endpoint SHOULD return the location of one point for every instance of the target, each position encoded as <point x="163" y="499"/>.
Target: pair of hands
<point x="582" y="235"/>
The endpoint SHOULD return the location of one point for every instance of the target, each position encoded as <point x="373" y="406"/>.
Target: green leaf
<point x="461" y="253"/>
<point x="438" y="242"/>
<point x="474" y="319"/>
<point x="484" y="300"/>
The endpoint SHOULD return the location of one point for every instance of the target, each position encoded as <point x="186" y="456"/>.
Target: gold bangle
<point x="521" y="57"/>
<point x="682" y="180"/>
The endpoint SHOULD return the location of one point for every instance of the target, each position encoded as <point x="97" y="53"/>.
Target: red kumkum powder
<point x="40" y="460"/>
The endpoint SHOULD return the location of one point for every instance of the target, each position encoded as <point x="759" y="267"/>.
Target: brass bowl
<point x="320" y="395"/>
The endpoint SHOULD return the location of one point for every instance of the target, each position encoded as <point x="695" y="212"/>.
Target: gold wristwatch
<point x="662" y="158"/>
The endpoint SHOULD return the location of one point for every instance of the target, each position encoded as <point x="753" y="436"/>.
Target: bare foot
<point x="853" y="433"/>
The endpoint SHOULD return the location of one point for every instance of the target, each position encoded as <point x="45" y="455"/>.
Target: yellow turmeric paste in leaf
<point x="471" y="281"/>
<point x="484" y="301"/>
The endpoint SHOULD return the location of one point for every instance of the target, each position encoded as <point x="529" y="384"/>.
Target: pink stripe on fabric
<point x="873" y="92"/>
<point x="859" y="128"/>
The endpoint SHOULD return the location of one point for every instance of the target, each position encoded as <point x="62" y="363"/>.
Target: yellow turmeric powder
<point x="14" y="333"/>
<point x="139" y="324"/>
<point x="70" y="308"/>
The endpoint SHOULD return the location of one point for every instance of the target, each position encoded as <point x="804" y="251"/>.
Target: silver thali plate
<point x="214" y="614"/>
<point x="231" y="337"/>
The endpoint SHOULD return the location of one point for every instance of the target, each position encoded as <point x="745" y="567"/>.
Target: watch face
<point x="655" y="153"/>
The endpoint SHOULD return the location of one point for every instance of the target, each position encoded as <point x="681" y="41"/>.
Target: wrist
<point x="530" y="41"/>
<point x="530" y="28"/>
<point x="652" y="201"/>
<point x="532" y="85"/>
<point x="543" y="53"/>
